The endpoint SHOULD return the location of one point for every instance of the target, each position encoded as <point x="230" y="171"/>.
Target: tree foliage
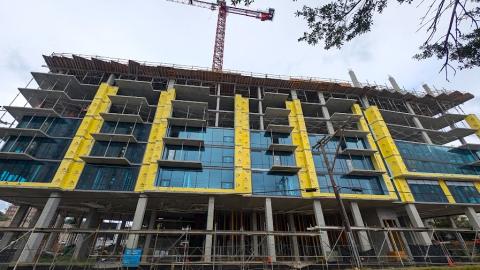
<point x="451" y="26"/>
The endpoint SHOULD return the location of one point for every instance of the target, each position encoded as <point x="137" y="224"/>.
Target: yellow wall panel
<point x="474" y="123"/>
<point x="303" y="155"/>
<point x="71" y="166"/>
<point x="445" y="190"/>
<point x="243" y="175"/>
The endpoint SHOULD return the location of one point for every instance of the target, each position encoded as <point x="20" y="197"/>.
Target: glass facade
<point x="420" y="157"/>
<point x="53" y="126"/>
<point x="427" y="191"/>
<point x="270" y="183"/>
<point x="133" y="152"/>
<point x="464" y="192"/>
<point x="216" y="156"/>
<point x="99" y="177"/>
<point x="27" y="171"/>
<point x="39" y="148"/>
<point x="140" y="131"/>
<point x="368" y="184"/>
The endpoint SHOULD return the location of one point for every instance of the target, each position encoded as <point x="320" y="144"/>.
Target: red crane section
<point x="223" y="9"/>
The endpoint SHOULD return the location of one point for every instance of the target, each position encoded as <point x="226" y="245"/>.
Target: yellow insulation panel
<point x="71" y="166"/>
<point x="474" y="123"/>
<point x="446" y="191"/>
<point x="403" y="189"/>
<point x="154" y="149"/>
<point x="303" y="155"/>
<point x="243" y="174"/>
<point x="376" y="158"/>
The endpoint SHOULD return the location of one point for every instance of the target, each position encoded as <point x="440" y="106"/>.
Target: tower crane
<point x="223" y="9"/>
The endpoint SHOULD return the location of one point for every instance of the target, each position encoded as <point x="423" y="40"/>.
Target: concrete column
<point x="320" y="219"/>
<point x="111" y="79"/>
<point x="472" y="218"/>
<point x="358" y="221"/>
<point x="354" y="79"/>
<point x="269" y="223"/>
<point x="294" y="238"/>
<point x="255" y="238"/>
<point x="260" y="108"/>
<point x="84" y="241"/>
<point x="217" y="107"/>
<point x="15" y="223"/>
<point x="423" y="237"/>
<point x="458" y="235"/>
<point x="207" y="256"/>
<point x="427" y="89"/>
<point x="44" y="221"/>
<point x="137" y="223"/>
<point x="294" y="94"/>
<point x="326" y="113"/>
<point x="148" y="237"/>
<point x="53" y="237"/>
<point x="119" y="237"/>
<point x="170" y="83"/>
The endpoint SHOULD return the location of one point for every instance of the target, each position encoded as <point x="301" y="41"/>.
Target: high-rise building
<point x="225" y="169"/>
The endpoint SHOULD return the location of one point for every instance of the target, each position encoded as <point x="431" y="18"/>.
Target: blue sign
<point x="131" y="257"/>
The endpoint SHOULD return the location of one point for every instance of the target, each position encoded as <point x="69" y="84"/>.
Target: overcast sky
<point x="161" y="31"/>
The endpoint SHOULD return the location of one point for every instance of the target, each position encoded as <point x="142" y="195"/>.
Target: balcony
<point x="106" y="137"/>
<point x="362" y="172"/>
<point x="19" y="112"/>
<point x="106" y="160"/>
<point x="274" y="99"/>
<point x="341" y="105"/>
<point x="187" y="164"/>
<point x="279" y="128"/>
<point x="274" y="147"/>
<point x="188" y="113"/>
<point x="28" y="132"/>
<point x="279" y="168"/>
<point x="183" y="141"/>
<point x="357" y="152"/>
<point x="37" y="97"/>
<point x="49" y="81"/>
<point x="191" y="93"/>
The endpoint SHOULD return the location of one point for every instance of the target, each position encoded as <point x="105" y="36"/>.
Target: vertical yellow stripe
<point x="303" y="154"/>
<point x="154" y="149"/>
<point x="389" y="151"/>
<point x="473" y="121"/>
<point x="446" y="191"/>
<point x="71" y="166"/>
<point x="243" y="175"/>
<point x="376" y="158"/>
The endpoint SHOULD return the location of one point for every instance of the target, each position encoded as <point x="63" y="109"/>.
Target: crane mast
<point x="223" y="9"/>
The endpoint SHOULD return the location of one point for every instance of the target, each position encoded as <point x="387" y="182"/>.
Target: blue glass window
<point x="276" y="184"/>
<point x="209" y="156"/>
<point x="464" y="192"/>
<point x="204" y="178"/>
<point x="427" y="191"/>
<point x="41" y="148"/>
<point x="53" y="126"/>
<point x="101" y="177"/>
<point x="368" y="184"/>
<point x="133" y="151"/>
<point x="140" y="131"/>
<point x="259" y="139"/>
<point x="27" y="171"/>
<point x="261" y="159"/>
<point x="420" y="157"/>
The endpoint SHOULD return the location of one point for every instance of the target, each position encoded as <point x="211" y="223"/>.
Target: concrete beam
<point x="269" y="223"/>
<point x="358" y="221"/>
<point x="423" y="237"/>
<point x="137" y="223"/>
<point x="207" y="255"/>
<point x="320" y="219"/>
<point x="44" y="221"/>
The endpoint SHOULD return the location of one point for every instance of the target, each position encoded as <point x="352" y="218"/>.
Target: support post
<point x="255" y="238"/>
<point x="294" y="238"/>
<point x="132" y="240"/>
<point x="207" y="255"/>
<point x="326" y="113"/>
<point x="320" y="220"/>
<point x="472" y="218"/>
<point x="417" y="222"/>
<point x="84" y="241"/>
<point x="358" y="221"/>
<point x="53" y="237"/>
<point x="44" y="221"/>
<point x="270" y="238"/>
<point x="15" y="223"/>
<point x="148" y="237"/>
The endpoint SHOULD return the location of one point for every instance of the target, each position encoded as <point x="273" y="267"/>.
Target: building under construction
<point x="130" y="163"/>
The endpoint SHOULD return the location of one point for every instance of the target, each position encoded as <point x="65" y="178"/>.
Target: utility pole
<point x="336" y="190"/>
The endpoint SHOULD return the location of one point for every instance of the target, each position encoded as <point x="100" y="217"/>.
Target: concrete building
<point x="220" y="169"/>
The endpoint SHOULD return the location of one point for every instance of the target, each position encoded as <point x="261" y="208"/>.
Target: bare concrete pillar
<point x="354" y="79"/>
<point x="207" y="255"/>
<point x="111" y="79"/>
<point x="427" y="89"/>
<point x="472" y="217"/>
<point x="269" y="223"/>
<point x="358" y="221"/>
<point x="217" y="114"/>
<point x="294" y="94"/>
<point x="53" y="237"/>
<point x="119" y="237"/>
<point x="458" y="235"/>
<point x="260" y="107"/>
<point x="17" y="219"/>
<point x="294" y="238"/>
<point x="148" y="237"/>
<point x="44" y="221"/>
<point x="320" y="219"/>
<point x="137" y="223"/>
<point x="326" y="113"/>
<point x="170" y="83"/>
<point x="423" y="237"/>
<point x="255" y="238"/>
<point x="84" y="241"/>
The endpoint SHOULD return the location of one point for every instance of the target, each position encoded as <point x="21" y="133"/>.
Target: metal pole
<point x="343" y="212"/>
